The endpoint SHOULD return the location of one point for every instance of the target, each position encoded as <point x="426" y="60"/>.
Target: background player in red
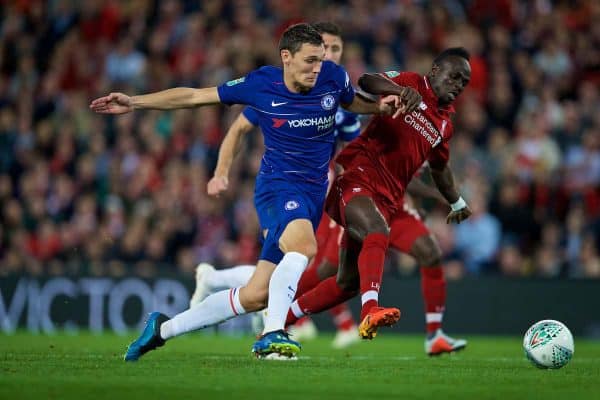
<point x="367" y="197"/>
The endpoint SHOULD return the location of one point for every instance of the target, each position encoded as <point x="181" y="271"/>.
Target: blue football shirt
<point x="298" y="128"/>
<point x="347" y="123"/>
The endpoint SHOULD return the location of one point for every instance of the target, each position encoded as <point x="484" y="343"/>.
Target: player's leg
<point x="341" y="315"/>
<point x="298" y="244"/>
<point x="428" y="255"/>
<point x="210" y="280"/>
<point x="214" y="309"/>
<point x="409" y="235"/>
<point x="288" y="218"/>
<point x="366" y="223"/>
<point x="332" y="291"/>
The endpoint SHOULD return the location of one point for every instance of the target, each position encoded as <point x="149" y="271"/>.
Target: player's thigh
<point x="299" y="236"/>
<point x="255" y="294"/>
<point x="363" y="216"/>
<point x="410" y="235"/>
<point x="426" y="251"/>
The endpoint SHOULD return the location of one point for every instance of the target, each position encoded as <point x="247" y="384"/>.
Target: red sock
<point x="308" y="280"/>
<point x="433" y="286"/>
<point x="370" y="268"/>
<point x="324" y="296"/>
<point x="342" y="317"/>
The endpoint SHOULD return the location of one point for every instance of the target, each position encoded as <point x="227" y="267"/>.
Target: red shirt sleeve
<point x="402" y="78"/>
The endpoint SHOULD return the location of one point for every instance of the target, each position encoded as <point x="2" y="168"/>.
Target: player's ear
<point x="285" y="56"/>
<point x="434" y="70"/>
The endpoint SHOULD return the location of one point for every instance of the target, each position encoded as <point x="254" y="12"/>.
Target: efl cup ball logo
<point x="548" y="344"/>
<point x="327" y="102"/>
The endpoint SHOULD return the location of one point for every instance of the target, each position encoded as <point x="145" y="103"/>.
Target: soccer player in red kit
<point x="367" y="198"/>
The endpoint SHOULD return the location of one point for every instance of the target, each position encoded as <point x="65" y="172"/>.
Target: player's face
<point x="450" y="78"/>
<point x="304" y="66"/>
<point x="333" y="47"/>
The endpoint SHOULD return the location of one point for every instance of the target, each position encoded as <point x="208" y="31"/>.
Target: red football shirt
<point x="397" y="148"/>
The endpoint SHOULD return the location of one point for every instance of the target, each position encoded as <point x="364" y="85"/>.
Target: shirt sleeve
<point x="251" y="115"/>
<point x="239" y="91"/>
<point x="343" y="80"/>
<point x="402" y="78"/>
<point x="349" y="128"/>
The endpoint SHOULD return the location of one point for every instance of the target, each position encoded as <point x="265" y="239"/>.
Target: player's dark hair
<point x="452" y="52"/>
<point x="296" y="35"/>
<point x="327" y="27"/>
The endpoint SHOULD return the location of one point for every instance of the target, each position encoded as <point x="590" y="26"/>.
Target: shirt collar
<point x="430" y="97"/>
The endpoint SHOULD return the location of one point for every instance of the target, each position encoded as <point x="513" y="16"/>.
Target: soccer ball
<point x="548" y="344"/>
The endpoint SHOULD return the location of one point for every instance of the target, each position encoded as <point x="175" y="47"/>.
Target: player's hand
<point x="410" y="98"/>
<point x="217" y="185"/>
<point x="458" y="216"/>
<point x="389" y="104"/>
<point x="114" y="103"/>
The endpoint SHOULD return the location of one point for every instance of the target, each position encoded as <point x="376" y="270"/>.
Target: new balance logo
<point x="273" y="104"/>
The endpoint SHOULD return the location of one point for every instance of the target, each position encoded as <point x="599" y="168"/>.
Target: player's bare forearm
<point x="175" y="98"/>
<point x="416" y="187"/>
<point x="361" y="106"/>
<point x="380" y="85"/>
<point x="444" y="180"/>
<point x="232" y="144"/>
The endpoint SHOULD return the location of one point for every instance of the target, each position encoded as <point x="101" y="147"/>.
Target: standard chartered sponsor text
<point x="415" y="119"/>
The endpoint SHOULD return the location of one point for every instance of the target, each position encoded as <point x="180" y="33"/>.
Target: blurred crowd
<point x="88" y="194"/>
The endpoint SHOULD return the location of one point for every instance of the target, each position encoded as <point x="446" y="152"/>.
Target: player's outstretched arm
<point x="360" y="105"/>
<point x="380" y="85"/>
<point x="119" y="103"/>
<point x="230" y="147"/>
<point x="444" y="180"/>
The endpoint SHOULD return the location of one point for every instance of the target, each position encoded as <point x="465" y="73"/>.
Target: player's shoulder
<point x="267" y="72"/>
<point x="406" y="77"/>
<point x="329" y="69"/>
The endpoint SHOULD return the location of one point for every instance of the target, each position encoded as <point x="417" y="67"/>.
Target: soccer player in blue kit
<point x="296" y="108"/>
<point x="347" y="127"/>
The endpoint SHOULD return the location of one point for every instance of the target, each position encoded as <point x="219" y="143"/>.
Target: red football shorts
<point x="357" y="182"/>
<point x="406" y="227"/>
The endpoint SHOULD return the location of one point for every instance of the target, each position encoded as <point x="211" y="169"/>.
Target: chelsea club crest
<point x="328" y="102"/>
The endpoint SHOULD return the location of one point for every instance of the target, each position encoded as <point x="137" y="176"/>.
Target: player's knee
<point x="361" y="232"/>
<point x="348" y="283"/>
<point x="326" y="269"/>
<point x="254" y="300"/>
<point x="307" y="247"/>
<point x="430" y="260"/>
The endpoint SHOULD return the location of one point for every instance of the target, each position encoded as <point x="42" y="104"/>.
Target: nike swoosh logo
<point x="273" y="104"/>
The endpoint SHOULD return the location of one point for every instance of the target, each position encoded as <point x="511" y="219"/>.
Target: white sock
<point x="282" y="289"/>
<point x="369" y="295"/>
<point x="230" y="277"/>
<point x="213" y="310"/>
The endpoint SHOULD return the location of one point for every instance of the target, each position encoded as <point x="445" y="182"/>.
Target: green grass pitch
<point x="211" y="367"/>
